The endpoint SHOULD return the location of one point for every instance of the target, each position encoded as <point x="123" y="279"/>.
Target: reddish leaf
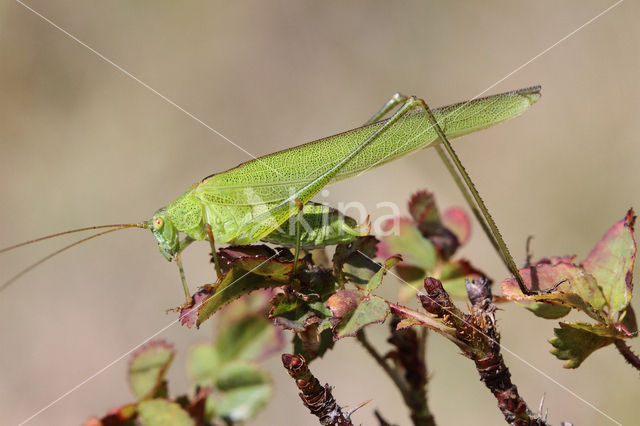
<point x="611" y="262"/>
<point x="119" y="416"/>
<point x="422" y="207"/>
<point x="343" y="303"/>
<point x="227" y="255"/>
<point x="580" y="292"/>
<point x="189" y="313"/>
<point x="457" y="221"/>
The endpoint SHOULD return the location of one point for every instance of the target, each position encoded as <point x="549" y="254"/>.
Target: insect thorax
<point x="186" y="214"/>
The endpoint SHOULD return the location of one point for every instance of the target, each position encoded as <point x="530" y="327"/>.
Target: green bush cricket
<point x="252" y="201"/>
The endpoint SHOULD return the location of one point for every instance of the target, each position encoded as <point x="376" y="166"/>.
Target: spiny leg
<point x="468" y="198"/>
<point x="214" y="252"/>
<point x="502" y="246"/>
<point x="395" y="100"/>
<point x="398" y="99"/>
<point x="184" y="280"/>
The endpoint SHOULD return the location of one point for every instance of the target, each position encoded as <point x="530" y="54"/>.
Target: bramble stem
<point x="631" y="357"/>
<point x="409" y="355"/>
<point x="317" y="398"/>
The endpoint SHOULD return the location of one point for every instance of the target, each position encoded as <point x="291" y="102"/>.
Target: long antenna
<point x="89" y="228"/>
<point x="49" y="256"/>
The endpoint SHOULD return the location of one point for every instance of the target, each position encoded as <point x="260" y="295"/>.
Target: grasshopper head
<point x="165" y="232"/>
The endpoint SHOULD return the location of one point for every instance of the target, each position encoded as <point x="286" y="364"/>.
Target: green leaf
<point x="574" y="342"/>
<point x="415" y="249"/>
<point x="354" y="261"/>
<point x="250" y="338"/>
<point x="203" y="363"/>
<point x="245" y="388"/>
<point x="611" y="262"/>
<point x="246" y="275"/>
<point x="376" y="280"/>
<point x="292" y="313"/>
<point x="160" y="412"/>
<point x="547" y="310"/>
<point x="148" y="367"/>
<point x="352" y="311"/>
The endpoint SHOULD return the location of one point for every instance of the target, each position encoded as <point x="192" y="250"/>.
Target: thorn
<point x="350" y="412"/>
<point x="541" y="402"/>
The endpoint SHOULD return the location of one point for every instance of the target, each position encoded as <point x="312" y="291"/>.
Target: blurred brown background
<point x="83" y="144"/>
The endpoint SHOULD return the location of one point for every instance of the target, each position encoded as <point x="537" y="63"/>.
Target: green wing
<point x="258" y="195"/>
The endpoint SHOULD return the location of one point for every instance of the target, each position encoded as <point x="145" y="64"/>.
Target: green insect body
<point x="249" y="202"/>
<point x="320" y="226"/>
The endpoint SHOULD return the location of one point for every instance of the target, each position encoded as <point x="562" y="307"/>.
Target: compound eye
<point x="158" y="222"/>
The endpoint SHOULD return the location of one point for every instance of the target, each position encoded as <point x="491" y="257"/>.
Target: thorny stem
<point x="631" y="357"/>
<point x="410" y="356"/>
<point x="479" y="340"/>
<point x="317" y="398"/>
